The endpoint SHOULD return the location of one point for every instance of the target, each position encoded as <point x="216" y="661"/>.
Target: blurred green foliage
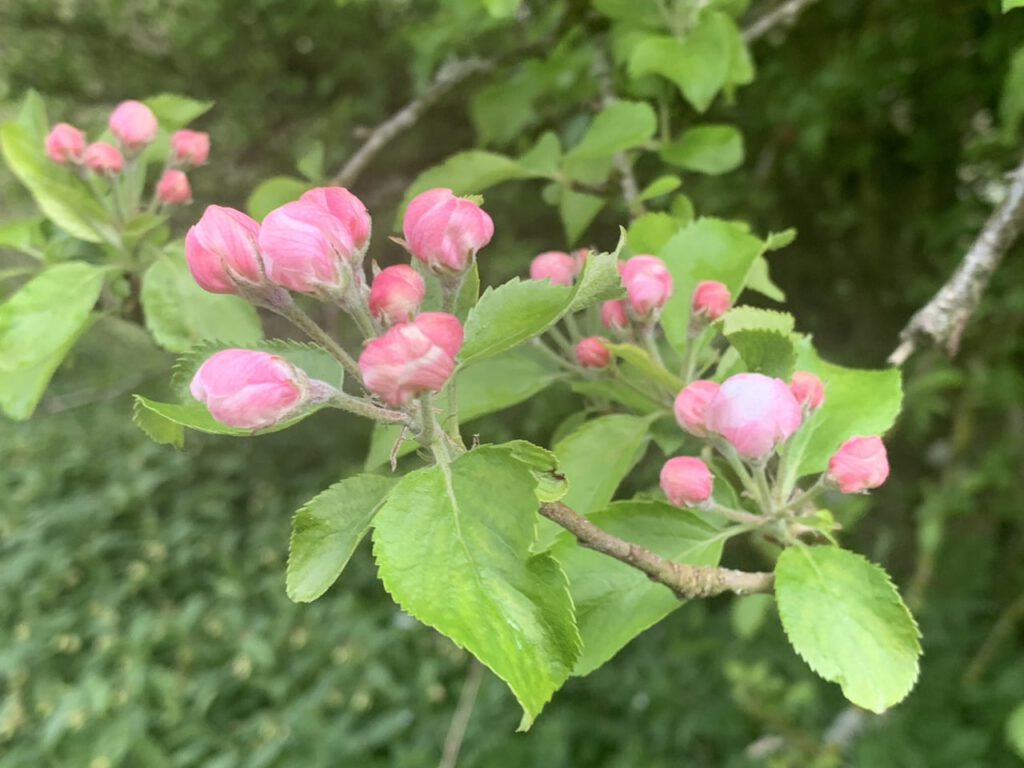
<point x="144" y="619"/>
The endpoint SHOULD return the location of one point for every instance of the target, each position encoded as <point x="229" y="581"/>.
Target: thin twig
<point x="942" y="320"/>
<point x="448" y="76"/>
<point x="463" y="711"/>
<point x="1001" y="630"/>
<point x="785" y="14"/>
<point x="686" y="581"/>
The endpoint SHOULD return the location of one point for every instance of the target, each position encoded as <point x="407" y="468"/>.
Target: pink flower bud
<point x="711" y="299"/>
<point x="412" y="358"/>
<point x="613" y="315"/>
<point x="65" y="143"/>
<point x="860" y="464"/>
<point x="691" y="406"/>
<point x="444" y="231"/>
<point x="173" y="188"/>
<point x="190" y="147"/>
<point x="103" y="158"/>
<point x="648" y="284"/>
<point x="249" y="390"/>
<point x="134" y="124"/>
<point x="686" y="481"/>
<point x="397" y="293"/>
<point x="307" y="249"/>
<point x="579" y="257"/>
<point x="592" y="353"/>
<point x="556" y="266"/>
<point x="221" y="250"/>
<point x="346" y="208"/>
<point x="754" y="413"/>
<point x="807" y="389"/>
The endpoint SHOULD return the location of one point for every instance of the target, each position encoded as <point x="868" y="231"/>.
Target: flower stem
<point x="363" y="407"/>
<point x="294" y="314"/>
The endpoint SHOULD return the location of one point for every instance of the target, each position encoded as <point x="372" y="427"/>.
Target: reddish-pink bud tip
<point x="754" y="413"/>
<point x="347" y="209"/>
<point x="557" y="266"/>
<point x="648" y="284"/>
<point x="691" y="406"/>
<point x="173" y="188"/>
<point x="190" y="147"/>
<point x="444" y="231"/>
<point x="221" y="250"/>
<point x="710" y="299"/>
<point x="397" y="293"/>
<point x="592" y="353"/>
<point x="860" y="464"/>
<point x="614" y="316"/>
<point x="134" y="124"/>
<point x="246" y="389"/>
<point x="686" y="481"/>
<point x="807" y="389"/>
<point x="103" y="158"/>
<point x="65" y="143"/>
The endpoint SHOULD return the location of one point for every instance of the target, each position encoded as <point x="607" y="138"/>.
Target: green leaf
<point x="174" y="111"/>
<point x="857" y="402"/>
<point x="578" y="211"/>
<point x="843" y="615"/>
<point x="543" y="157"/>
<point x="501" y="9"/>
<point x="273" y="193"/>
<point x="1009" y="5"/>
<point x="326" y="531"/>
<point x="711" y="149"/>
<point x="479" y="586"/>
<point x="62" y="197"/>
<point x="707" y="249"/>
<point x="760" y="281"/>
<point x="763" y="339"/>
<point x="1015" y="727"/>
<point x="642" y="361"/>
<point x="23" y="235"/>
<point x="699" y="65"/>
<point x="777" y="240"/>
<point x="615" y="602"/>
<point x="599" y="280"/>
<point x="619" y="126"/>
<point x="180" y="314"/>
<point x="650" y="232"/>
<point x="311" y="164"/>
<point x="662" y="185"/>
<point x="551" y="484"/>
<point x="748" y="615"/>
<point x="1011" y="102"/>
<point x="32" y="116"/>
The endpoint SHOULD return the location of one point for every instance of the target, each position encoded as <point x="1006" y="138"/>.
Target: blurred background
<point x="143" y="618"/>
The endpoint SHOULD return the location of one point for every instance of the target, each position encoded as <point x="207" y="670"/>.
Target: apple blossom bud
<point x="444" y="231"/>
<point x="397" y="293"/>
<point x="173" y="188"/>
<point x="648" y="284"/>
<point x="592" y="353"/>
<point x="308" y="249"/>
<point x="711" y="299"/>
<point x="246" y="389"/>
<point x="346" y="208"/>
<point x="134" y="124"/>
<point x="579" y="257"/>
<point x="103" y="158"/>
<point x="686" y="481"/>
<point x="65" y="143"/>
<point x="613" y="315"/>
<point x="412" y="358"/>
<point x="860" y="464"/>
<point x="754" y="413"/>
<point x="190" y="147"/>
<point x="557" y="266"/>
<point x="691" y="406"/>
<point x="221" y="250"/>
<point x="807" y="389"/>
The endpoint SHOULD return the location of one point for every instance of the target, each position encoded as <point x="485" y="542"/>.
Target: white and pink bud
<point x="807" y="389"/>
<point x="444" y="231"/>
<point x="412" y="358"/>
<point x="134" y="124"/>
<point x="190" y="147"/>
<point x="686" y="481"/>
<point x="691" y="406"/>
<point x="396" y="294"/>
<point x="614" y="315"/>
<point x="579" y="258"/>
<point x="591" y="352"/>
<point x="103" y="158"/>
<point x="65" y="144"/>
<point x="754" y="413"/>
<point x="247" y="389"/>
<point x="347" y="209"/>
<point x="648" y="284"/>
<point x="557" y="266"/>
<point x="711" y="299"/>
<point x="173" y="188"/>
<point x="860" y="464"/>
<point x="221" y="250"/>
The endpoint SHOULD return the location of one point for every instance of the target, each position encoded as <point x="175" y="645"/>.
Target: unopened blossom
<point x="754" y="413"/>
<point x="190" y="147"/>
<point x="134" y="124"/>
<point x="173" y="188"/>
<point x="686" y="481"/>
<point x="103" y="158"/>
<point x="412" y="358"/>
<point x="691" y="406"/>
<point x="347" y="209"/>
<point x="614" y="316"/>
<point x="247" y="389"/>
<point x="557" y="266"/>
<point x="221" y="250"/>
<point x="860" y="464"/>
<point x="397" y="293"/>
<point x="591" y="352"/>
<point x="710" y="299"/>
<point x="807" y="389"/>
<point x="444" y="231"/>
<point x="648" y="284"/>
<point x="65" y="144"/>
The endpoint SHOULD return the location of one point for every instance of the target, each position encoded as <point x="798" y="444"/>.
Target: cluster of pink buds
<point x="134" y="127"/>
<point x="648" y="286"/>
<point x="559" y="267"/>
<point x="316" y="246"/>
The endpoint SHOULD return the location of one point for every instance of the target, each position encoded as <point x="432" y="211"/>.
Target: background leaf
<point x="710" y="149"/>
<point x="272" y="193"/>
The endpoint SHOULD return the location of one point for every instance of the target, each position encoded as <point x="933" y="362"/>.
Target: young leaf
<point x="710" y="149"/>
<point x="843" y="615"/>
<point x="650" y="232"/>
<point x="642" y="361"/>
<point x="763" y="339"/>
<point x="662" y="185"/>
<point x="543" y="464"/>
<point x="174" y="111"/>
<point x="577" y="211"/>
<point x="273" y="193"/>
<point x="759" y="280"/>
<point x="1009" y="5"/>
<point x="620" y="126"/>
<point x="614" y="602"/>
<point x="478" y="584"/>
<point x="326" y="531"/>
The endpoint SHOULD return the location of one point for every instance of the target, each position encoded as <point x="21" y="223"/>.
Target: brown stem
<point x="620" y="160"/>
<point x="463" y="711"/>
<point x="786" y="13"/>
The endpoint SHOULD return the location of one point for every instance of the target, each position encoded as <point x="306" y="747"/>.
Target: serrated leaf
<point x="273" y="193"/>
<point x="619" y="126"/>
<point x="174" y="111"/>
<point x="615" y="602"/>
<point x="778" y="240"/>
<point x="647" y="366"/>
<point x="763" y="339"/>
<point x="577" y="211"/>
<point x="600" y="280"/>
<point x="480" y="586"/>
<point x="710" y="149"/>
<point x="650" y="232"/>
<point x="157" y="428"/>
<point x="543" y="464"/>
<point x="326" y="531"/>
<point x="843" y="615"/>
